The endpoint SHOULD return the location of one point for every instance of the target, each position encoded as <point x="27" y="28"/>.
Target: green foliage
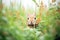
<point x="13" y="25"/>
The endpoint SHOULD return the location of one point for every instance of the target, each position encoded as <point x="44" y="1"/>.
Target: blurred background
<point x="13" y="19"/>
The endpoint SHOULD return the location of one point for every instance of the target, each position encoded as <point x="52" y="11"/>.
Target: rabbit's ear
<point x="28" y="14"/>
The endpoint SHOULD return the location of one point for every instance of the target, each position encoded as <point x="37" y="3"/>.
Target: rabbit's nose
<point x="31" y="22"/>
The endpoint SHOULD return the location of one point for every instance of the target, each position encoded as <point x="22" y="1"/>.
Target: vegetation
<point x="13" y="24"/>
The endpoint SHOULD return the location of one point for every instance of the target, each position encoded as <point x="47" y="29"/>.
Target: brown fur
<point x="32" y="21"/>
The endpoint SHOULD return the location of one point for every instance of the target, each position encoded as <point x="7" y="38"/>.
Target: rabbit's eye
<point x="34" y="18"/>
<point x="28" y="18"/>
